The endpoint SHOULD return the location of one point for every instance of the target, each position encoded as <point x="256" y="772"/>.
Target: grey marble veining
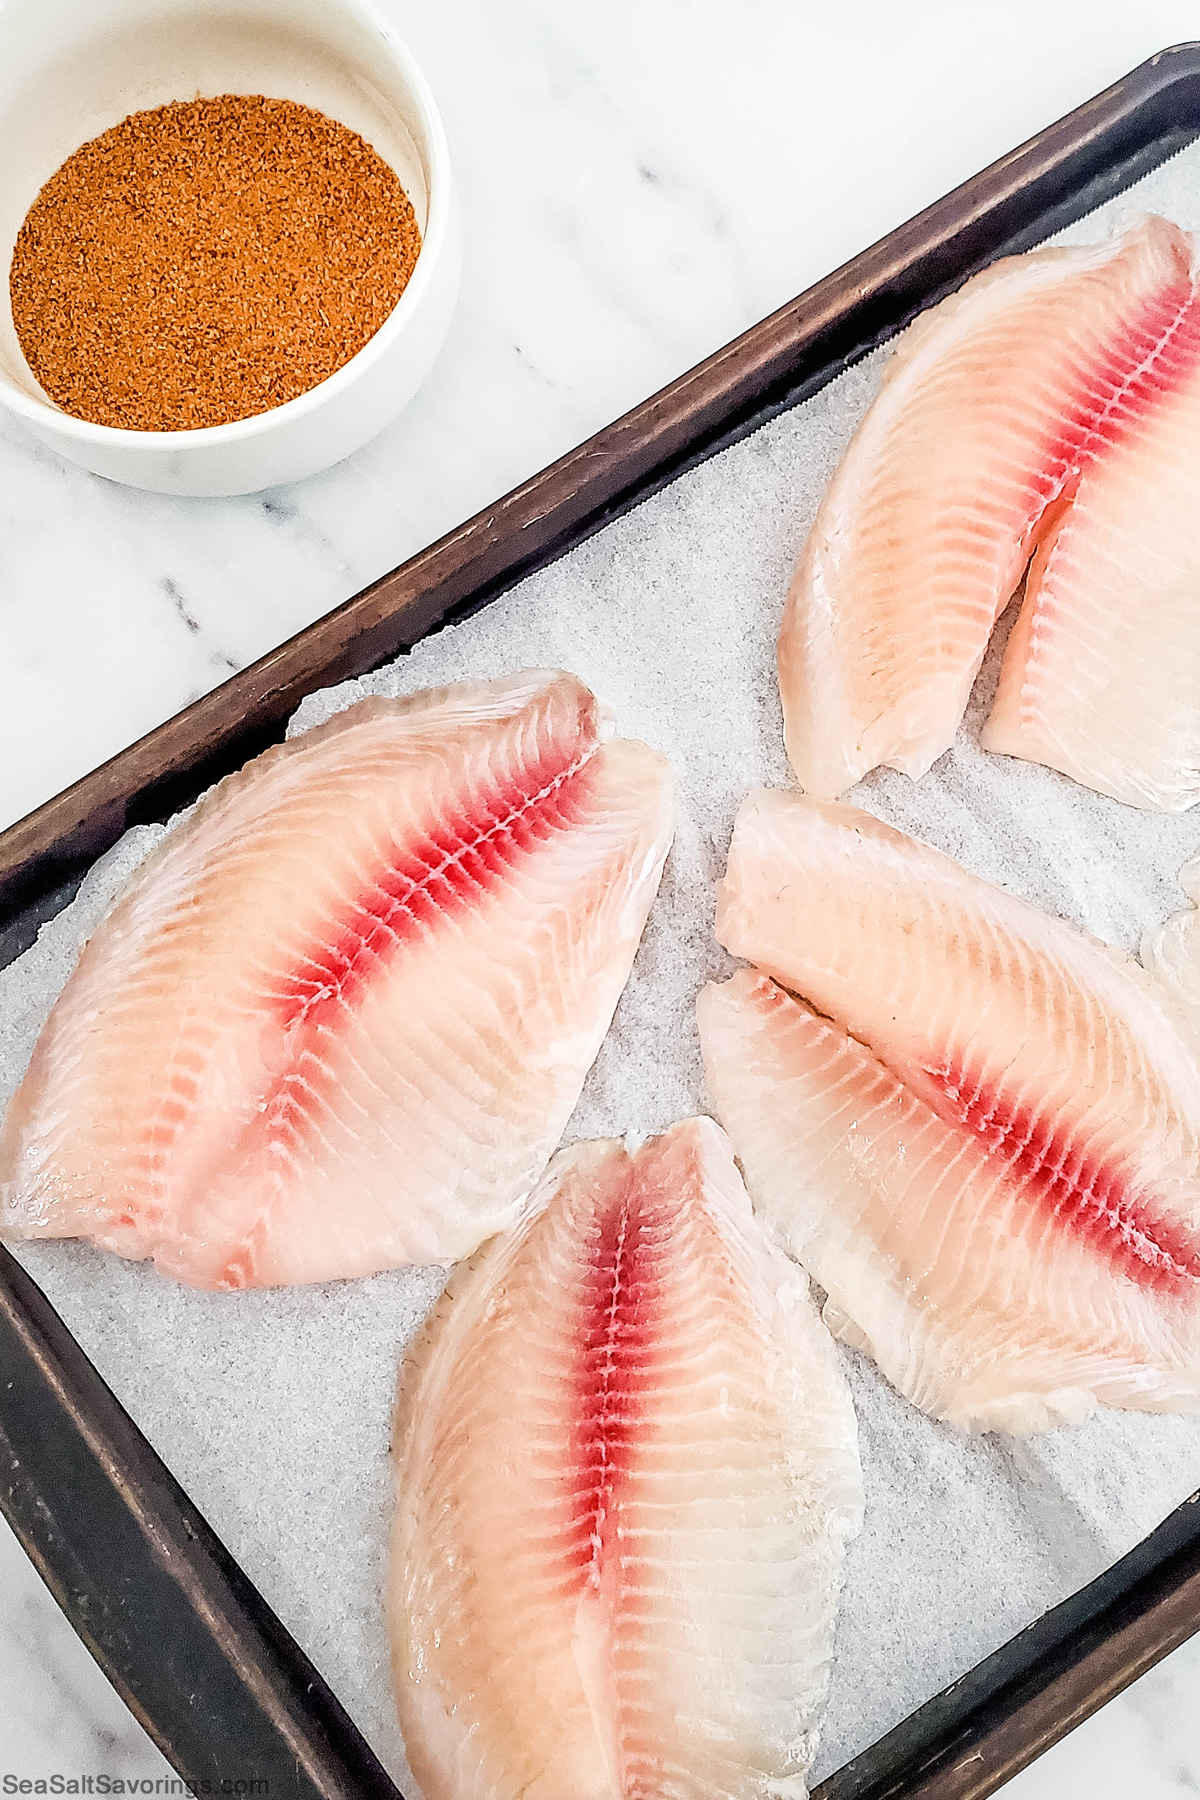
<point x="58" y="1714"/>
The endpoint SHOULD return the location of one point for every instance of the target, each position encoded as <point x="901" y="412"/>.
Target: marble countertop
<point x="640" y="182"/>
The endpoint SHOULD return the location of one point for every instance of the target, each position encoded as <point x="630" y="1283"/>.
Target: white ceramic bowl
<point x="70" y="69"/>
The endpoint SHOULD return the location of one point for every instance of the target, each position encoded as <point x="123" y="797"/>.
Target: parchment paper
<point x="272" y="1408"/>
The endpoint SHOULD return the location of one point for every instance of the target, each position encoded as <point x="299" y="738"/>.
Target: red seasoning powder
<point x="207" y="260"/>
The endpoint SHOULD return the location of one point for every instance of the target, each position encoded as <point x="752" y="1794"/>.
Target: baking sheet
<point x="272" y="1408"/>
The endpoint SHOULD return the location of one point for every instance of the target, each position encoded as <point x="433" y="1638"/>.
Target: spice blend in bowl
<point x="208" y="260"/>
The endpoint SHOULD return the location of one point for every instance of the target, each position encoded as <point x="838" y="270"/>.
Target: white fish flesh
<point x="1101" y="673"/>
<point x="338" y="1021"/>
<point x="626" y="1472"/>
<point x="1050" y="370"/>
<point x="980" y="1135"/>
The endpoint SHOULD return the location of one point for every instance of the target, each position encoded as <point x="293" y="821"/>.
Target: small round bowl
<point x="70" y="69"/>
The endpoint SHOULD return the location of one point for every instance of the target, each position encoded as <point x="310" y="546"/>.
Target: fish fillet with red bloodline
<point x="626" y="1472"/>
<point x="1101" y="674"/>
<point x="1037" y="369"/>
<point x="338" y="1020"/>
<point x="988" y="1149"/>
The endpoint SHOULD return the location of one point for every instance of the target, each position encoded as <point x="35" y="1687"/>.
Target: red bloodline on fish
<point x="1153" y="357"/>
<point x="620" y="1301"/>
<point x="1098" y="1202"/>
<point x="448" y="870"/>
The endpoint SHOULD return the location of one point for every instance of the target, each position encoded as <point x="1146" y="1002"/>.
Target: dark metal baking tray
<point x="158" y="1600"/>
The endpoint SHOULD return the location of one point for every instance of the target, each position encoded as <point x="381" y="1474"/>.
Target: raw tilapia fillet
<point x="626" y="1471"/>
<point x="1040" y="368"/>
<point x="986" y="1150"/>
<point x="1101" y="674"/>
<point x="338" y="1020"/>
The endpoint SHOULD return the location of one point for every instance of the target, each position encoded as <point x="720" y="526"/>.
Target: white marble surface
<point x="640" y="182"/>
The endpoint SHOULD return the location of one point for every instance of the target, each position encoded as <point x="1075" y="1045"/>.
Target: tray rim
<point x="963" y="1743"/>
